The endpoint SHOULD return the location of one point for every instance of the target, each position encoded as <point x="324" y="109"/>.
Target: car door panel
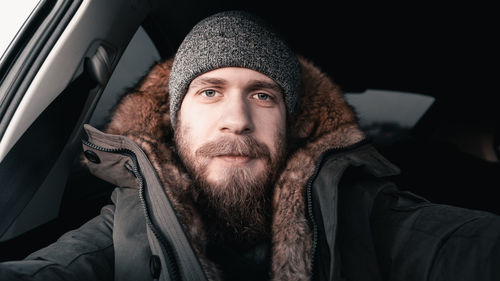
<point x="42" y="135"/>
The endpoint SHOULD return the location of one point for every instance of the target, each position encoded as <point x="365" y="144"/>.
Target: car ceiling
<point x="445" y="51"/>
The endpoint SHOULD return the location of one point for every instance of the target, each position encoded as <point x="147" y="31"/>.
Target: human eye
<point x="262" y="97"/>
<point x="209" y="93"/>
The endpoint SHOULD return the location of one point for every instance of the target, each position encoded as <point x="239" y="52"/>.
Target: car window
<point x="388" y="116"/>
<point x="27" y="52"/>
<point x="13" y="15"/>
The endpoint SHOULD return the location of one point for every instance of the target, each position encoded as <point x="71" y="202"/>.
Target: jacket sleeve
<point x="470" y="252"/>
<point x="420" y="240"/>
<point x="82" y="254"/>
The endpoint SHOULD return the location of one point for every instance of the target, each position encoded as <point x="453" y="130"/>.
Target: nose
<point x="236" y="116"/>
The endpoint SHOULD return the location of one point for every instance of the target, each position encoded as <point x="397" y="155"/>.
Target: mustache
<point x="240" y="146"/>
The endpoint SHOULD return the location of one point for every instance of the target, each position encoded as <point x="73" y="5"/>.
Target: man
<point x="253" y="167"/>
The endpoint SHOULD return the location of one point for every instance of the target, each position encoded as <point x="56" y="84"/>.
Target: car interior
<point x="419" y="76"/>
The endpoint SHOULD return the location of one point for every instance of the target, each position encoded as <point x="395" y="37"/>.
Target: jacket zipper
<point x="172" y="266"/>
<point x="310" y="215"/>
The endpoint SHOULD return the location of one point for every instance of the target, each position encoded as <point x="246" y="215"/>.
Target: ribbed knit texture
<point x="233" y="39"/>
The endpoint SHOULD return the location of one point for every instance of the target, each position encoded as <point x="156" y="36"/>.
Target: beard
<point x="237" y="207"/>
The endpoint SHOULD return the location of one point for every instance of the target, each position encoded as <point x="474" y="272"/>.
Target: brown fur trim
<point x="324" y="121"/>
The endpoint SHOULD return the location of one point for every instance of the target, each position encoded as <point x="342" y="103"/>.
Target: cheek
<point x="196" y="127"/>
<point x="191" y="141"/>
<point x="271" y="131"/>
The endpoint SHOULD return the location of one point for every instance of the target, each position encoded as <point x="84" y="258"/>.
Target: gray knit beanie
<point x="233" y="39"/>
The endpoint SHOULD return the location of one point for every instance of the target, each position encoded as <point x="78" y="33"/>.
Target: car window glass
<point x="387" y="116"/>
<point x="13" y="14"/>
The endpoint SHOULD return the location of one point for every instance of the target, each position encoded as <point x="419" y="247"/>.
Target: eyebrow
<point x="259" y="84"/>
<point x="216" y="82"/>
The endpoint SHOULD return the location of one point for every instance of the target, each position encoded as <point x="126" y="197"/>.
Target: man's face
<point x="231" y="135"/>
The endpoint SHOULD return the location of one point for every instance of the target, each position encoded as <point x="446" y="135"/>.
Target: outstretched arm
<point x="82" y="254"/>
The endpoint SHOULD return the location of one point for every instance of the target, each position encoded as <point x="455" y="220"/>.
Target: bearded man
<point x="239" y="160"/>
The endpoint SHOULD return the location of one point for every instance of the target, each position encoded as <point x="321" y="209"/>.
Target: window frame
<point x="26" y="54"/>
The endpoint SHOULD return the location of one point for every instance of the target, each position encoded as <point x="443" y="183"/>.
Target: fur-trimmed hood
<point x="324" y="121"/>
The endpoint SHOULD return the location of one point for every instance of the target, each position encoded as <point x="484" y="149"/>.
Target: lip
<point x="235" y="159"/>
